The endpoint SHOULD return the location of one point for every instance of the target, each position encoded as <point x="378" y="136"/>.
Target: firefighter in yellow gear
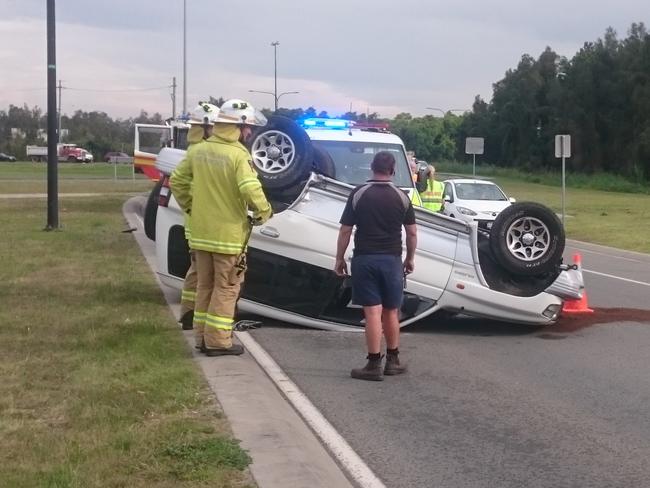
<point x="201" y="120"/>
<point x="217" y="186"/>
<point x="431" y="191"/>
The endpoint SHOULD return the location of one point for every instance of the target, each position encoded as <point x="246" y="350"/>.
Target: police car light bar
<point x="324" y="123"/>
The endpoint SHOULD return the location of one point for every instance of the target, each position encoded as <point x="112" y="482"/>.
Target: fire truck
<point x="151" y="138"/>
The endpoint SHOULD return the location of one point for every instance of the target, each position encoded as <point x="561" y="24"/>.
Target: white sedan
<point x="473" y="200"/>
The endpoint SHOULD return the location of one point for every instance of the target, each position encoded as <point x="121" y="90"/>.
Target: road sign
<point x="474" y="145"/>
<point x="563" y="146"/>
<point x="563" y="150"/>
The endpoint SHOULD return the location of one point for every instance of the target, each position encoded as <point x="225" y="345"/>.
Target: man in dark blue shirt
<point x="378" y="209"/>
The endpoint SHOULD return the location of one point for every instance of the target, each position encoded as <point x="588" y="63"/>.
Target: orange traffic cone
<point x="581" y="305"/>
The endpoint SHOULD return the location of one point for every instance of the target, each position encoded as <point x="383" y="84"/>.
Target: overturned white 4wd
<point x="514" y="272"/>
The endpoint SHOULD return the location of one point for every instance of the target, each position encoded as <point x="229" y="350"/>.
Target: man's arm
<point x="251" y="191"/>
<point x="341" y="267"/>
<point x="411" y="244"/>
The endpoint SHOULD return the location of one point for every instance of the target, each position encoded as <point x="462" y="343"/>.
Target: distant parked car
<point x="116" y="156"/>
<point x="7" y="157"/>
<point x="474" y="200"/>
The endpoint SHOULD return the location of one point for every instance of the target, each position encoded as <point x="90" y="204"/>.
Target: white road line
<point x="610" y="248"/>
<point x="613" y="256"/>
<point x="643" y="283"/>
<point x="337" y="445"/>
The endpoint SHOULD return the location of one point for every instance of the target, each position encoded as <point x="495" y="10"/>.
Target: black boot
<point x="202" y="347"/>
<point x="371" y="371"/>
<point x="393" y="365"/>
<point x="234" y="350"/>
<point x="187" y="320"/>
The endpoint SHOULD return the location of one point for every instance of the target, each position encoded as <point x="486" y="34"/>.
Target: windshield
<point x="352" y="160"/>
<point x="479" y="191"/>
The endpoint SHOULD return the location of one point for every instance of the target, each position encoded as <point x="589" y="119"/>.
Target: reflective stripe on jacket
<point x="432" y="196"/>
<point x="216" y="185"/>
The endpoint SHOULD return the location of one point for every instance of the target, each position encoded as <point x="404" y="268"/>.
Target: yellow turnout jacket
<point x="216" y="185"/>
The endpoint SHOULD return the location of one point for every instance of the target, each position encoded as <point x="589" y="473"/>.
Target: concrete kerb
<point x="284" y="446"/>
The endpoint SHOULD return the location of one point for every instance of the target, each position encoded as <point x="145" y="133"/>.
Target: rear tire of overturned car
<point x="151" y="211"/>
<point x="527" y="239"/>
<point x="282" y="154"/>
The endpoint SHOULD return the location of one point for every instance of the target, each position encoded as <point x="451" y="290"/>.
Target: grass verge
<point x="98" y="387"/>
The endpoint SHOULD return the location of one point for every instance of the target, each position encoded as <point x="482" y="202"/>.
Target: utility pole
<point x="52" y="135"/>
<point x="59" y="112"/>
<point x="174" y="97"/>
<point x="275" y="45"/>
<point x="184" y="57"/>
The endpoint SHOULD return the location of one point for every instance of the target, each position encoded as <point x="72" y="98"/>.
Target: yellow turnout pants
<point x="188" y="295"/>
<point x="216" y="296"/>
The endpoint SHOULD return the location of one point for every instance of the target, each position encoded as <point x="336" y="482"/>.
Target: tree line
<point x="94" y="131"/>
<point x="601" y="97"/>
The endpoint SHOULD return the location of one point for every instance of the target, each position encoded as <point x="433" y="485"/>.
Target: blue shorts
<point x="377" y="279"/>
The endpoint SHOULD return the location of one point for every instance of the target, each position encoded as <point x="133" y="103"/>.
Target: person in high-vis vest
<point x="431" y="191"/>
<point x="217" y="185"/>
<point x="201" y="120"/>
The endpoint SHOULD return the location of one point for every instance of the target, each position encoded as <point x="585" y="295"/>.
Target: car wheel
<point x="323" y="163"/>
<point x="282" y="153"/>
<point x="527" y="239"/>
<point x="71" y="159"/>
<point x="151" y="211"/>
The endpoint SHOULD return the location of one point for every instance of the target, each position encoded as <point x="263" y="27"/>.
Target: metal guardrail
<point x="120" y="160"/>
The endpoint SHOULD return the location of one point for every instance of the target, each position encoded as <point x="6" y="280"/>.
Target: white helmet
<point x="235" y="111"/>
<point x="204" y="114"/>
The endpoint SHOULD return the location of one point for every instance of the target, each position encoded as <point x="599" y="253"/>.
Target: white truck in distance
<point x="64" y="152"/>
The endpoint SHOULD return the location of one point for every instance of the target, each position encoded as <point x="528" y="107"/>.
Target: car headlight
<point x="466" y="211"/>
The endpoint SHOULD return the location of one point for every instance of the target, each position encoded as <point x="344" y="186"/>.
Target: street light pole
<point x="274" y="95"/>
<point x="443" y="112"/>
<point x="438" y="109"/>
<point x="275" y="45"/>
<point x="184" y="57"/>
<point x="52" y="132"/>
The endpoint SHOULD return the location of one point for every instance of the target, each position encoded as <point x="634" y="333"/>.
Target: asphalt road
<point x="488" y="404"/>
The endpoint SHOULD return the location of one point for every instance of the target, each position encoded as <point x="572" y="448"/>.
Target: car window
<point x="352" y="161"/>
<point x="479" y="191"/>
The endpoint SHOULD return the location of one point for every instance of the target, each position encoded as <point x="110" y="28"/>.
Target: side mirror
<point x="511" y="200"/>
<point x="447" y="198"/>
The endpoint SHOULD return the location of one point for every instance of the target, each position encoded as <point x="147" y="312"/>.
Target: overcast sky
<point x="385" y="56"/>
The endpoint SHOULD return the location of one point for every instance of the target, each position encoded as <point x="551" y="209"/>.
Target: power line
<point x="106" y="90"/>
<point x="103" y="90"/>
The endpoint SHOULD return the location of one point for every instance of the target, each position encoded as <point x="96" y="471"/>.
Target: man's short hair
<point x="383" y="163"/>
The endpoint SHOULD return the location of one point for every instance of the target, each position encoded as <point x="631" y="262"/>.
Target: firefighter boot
<point x="234" y="350"/>
<point x="187" y="320"/>
<point x="393" y="365"/>
<point x="371" y="371"/>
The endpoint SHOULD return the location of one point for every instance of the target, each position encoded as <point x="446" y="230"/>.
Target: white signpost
<point x="563" y="150"/>
<point x="474" y="146"/>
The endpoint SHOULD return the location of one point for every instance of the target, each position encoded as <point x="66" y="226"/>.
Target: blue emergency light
<point x="324" y="123"/>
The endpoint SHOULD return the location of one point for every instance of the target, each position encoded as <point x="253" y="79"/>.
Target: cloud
<point x="386" y="55"/>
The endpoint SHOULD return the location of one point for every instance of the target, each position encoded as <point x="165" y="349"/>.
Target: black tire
<point x="282" y="153"/>
<point x="71" y="159"/>
<point x="151" y="212"/>
<point x="323" y="163"/>
<point x="527" y="239"/>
